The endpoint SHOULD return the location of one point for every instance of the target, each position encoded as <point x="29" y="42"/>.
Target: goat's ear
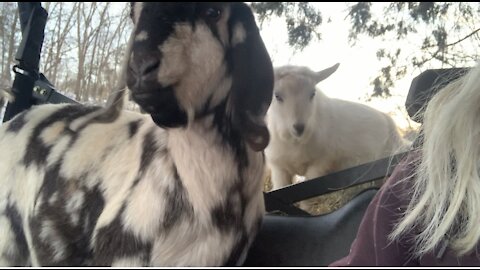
<point x="252" y="74"/>
<point x="323" y="74"/>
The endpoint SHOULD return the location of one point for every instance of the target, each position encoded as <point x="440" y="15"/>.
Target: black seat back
<point x="425" y="85"/>
<point x="308" y="241"/>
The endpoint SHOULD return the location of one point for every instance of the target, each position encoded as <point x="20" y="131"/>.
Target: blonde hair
<point x="445" y="204"/>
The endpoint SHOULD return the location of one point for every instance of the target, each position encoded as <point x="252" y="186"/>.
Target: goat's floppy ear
<point x="323" y="74"/>
<point x="252" y="74"/>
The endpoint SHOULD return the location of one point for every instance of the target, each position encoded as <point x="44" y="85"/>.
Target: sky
<point x="358" y="64"/>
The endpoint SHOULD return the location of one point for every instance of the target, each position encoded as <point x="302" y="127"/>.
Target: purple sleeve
<point x="372" y="246"/>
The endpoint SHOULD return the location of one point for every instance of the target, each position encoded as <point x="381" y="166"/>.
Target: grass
<point x="332" y="201"/>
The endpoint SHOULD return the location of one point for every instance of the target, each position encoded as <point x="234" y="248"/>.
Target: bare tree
<point x="110" y="53"/>
<point x="10" y="36"/>
<point x="61" y="16"/>
<point x="82" y="50"/>
<point x="98" y="31"/>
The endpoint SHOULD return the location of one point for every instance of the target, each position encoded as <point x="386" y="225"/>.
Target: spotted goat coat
<point x="180" y="185"/>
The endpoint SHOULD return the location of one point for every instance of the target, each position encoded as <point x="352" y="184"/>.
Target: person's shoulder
<point x="398" y="187"/>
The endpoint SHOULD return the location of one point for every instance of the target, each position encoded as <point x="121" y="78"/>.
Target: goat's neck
<point x="210" y="132"/>
<point x="323" y="115"/>
<point x="207" y="163"/>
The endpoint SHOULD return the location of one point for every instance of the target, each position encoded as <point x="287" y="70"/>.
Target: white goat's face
<point x="294" y="105"/>
<point x="188" y="58"/>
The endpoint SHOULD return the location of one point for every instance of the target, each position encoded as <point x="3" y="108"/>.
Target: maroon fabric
<point x="372" y="246"/>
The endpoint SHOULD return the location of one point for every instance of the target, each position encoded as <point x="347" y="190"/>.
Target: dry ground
<point x="330" y="202"/>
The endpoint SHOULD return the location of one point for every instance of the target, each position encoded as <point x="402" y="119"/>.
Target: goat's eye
<point x="212" y="13"/>
<point x="279" y="98"/>
<point x="312" y="95"/>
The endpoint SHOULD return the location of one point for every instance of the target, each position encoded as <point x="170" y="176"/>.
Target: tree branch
<point x="460" y="40"/>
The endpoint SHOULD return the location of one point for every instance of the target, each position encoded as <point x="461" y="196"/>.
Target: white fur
<point x="141" y="36"/>
<point x="7" y="234"/>
<point x="127" y="262"/>
<point x="74" y="204"/>
<point x="338" y="134"/>
<point x="184" y="65"/>
<point x="239" y="34"/>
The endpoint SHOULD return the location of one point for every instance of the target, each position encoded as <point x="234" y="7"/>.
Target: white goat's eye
<point x="278" y="97"/>
<point x="312" y="95"/>
<point x="212" y="13"/>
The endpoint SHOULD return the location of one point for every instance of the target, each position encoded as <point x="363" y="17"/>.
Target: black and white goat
<point x="181" y="185"/>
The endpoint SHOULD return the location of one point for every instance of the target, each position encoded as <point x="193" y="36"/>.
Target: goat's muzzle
<point x="142" y="80"/>
<point x="154" y="98"/>
<point x="298" y="128"/>
<point x="143" y="70"/>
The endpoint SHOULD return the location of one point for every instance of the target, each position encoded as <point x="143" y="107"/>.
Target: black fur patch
<point x="43" y="250"/>
<point x="22" y="254"/>
<point x="149" y="149"/>
<point x="251" y="90"/>
<point x="230" y="136"/>
<point x="178" y="205"/>
<point x="133" y="128"/>
<point x="75" y="237"/>
<point x="228" y="216"/>
<point x="17" y="123"/>
<point x="76" y="251"/>
<point x="37" y="151"/>
<point x="113" y="242"/>
<point x="92" y="208"/>
<point x="169" y="112"/>
<point x="165" y="14"/>
<point x="51" y="181"/>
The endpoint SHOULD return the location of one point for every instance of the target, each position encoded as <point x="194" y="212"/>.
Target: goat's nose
<point x="144" y="65"/>
<point x="299" y="128"/>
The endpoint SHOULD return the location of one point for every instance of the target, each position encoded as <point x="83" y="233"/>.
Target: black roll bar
<point x="32" y="21"/>
<point x="30" y="87"/>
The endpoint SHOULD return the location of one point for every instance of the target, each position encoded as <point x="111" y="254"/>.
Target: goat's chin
<point x="162" y="105"/>
<point x="172" y="120"/>
<point x="289" y="136"/>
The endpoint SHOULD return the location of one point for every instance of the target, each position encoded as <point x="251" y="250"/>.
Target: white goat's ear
<point x="323" y="74"/>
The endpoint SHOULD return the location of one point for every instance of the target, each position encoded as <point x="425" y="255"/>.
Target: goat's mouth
<point x="148" y="101"/>
<point x="162" y="104"/>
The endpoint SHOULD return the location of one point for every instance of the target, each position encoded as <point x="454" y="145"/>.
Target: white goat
<point x="314" y="135"/>
<point x="83" y="186"/>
